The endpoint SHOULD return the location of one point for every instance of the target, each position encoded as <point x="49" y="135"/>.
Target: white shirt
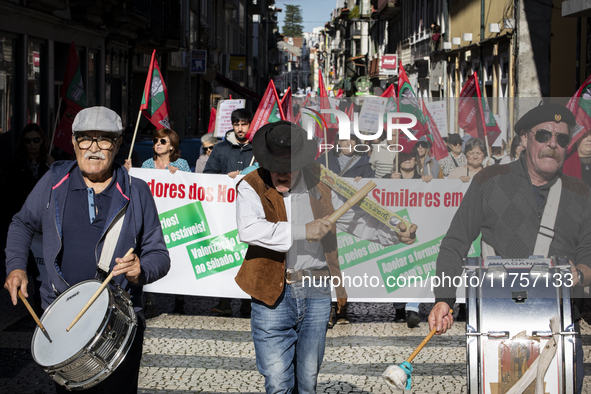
<point x="290" y="236"/>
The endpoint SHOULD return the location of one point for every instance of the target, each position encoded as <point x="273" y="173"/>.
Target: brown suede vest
<point x="262" y="274"/>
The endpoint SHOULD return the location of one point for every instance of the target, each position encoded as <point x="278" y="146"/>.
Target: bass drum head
<point x="59" y="315"/>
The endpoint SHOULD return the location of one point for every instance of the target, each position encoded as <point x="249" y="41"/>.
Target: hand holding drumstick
<point x="130" y="266"/>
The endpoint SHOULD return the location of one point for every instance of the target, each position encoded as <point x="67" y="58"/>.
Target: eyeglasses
<point x="206" y="148"/>
<point x="103" y="142"/>
<point x="163" y="141"/>
<point x="422" y="144"/>
<point x="455" y="143"/>
<point x="543" y="135"/>
<point x="35" y="140"/>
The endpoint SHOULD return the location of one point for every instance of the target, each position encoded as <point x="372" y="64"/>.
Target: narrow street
<point x="200" y="353"/>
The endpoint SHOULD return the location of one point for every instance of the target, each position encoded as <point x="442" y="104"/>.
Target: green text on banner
<point x="185" y="224"/>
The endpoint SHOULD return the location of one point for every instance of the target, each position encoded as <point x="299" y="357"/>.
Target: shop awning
<point x="237" y="88"/>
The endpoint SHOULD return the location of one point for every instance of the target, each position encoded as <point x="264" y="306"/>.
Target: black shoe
<point x="245" y="308"/>
<point x="400" y="316"/>
<point x="150" y="311"/>
<point x="331" y="318"/>
<point x="223" y="308"/>
<point x="412" y="319"/>
<point x="461" y="313"/>
<point x="179" y="305"/>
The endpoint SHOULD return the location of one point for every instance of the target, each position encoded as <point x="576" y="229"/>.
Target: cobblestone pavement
<point x="200" y="353"/>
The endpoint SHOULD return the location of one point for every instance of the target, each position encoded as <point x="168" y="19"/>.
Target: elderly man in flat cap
<point x="506" y="204"/>
<point x="75" y="205"/>
<point x="282" y="211"/>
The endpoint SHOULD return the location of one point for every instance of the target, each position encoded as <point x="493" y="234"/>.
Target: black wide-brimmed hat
<point x="283" y="147"/>
<point x="545" y="113"/>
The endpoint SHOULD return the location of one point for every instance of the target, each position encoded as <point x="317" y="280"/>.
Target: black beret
<point x="454" y="139"/>
<point x="545" y="113"/>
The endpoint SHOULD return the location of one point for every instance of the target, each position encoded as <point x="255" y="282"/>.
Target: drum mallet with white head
<point x="398" y="377"/>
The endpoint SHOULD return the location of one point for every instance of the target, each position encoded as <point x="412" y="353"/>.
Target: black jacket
<point x="228" y="156"/>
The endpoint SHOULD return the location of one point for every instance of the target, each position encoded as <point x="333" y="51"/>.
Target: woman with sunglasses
<point x="167" y="154"/>
<point x="31" y="161"/>
<point x="456" y="157"/>
<point x="208" y="141"/>
<point x="475" y="152"/>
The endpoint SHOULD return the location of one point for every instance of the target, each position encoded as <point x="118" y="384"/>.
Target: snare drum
<point x="95" y="346"/>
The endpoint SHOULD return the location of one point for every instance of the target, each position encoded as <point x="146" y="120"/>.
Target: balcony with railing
<point x="386" y="9"/>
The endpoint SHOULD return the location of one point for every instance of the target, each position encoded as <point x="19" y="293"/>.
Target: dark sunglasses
<point x="162" y="141"/>
<point x="543" y="135"/>
<point x="455" y="143"/>
<point x="206" y="148"/>
<point x="35" y="140"/>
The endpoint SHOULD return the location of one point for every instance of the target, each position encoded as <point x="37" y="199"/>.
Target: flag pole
<point x="57" y="115"/>
<point x="397" y="132"/>
<point x="325" y="152"/>
<point x="137" y="123"/>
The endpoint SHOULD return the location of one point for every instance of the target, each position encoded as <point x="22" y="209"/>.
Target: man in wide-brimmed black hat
<point x="506" y="204"/>
<point x="282" y="211"/>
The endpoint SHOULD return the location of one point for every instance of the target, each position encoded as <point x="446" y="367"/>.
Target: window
<point x="35" y="96"/>
<point x="488" y="71"/>
<point x="93" y="81"/>
<point x="7" y="93"/>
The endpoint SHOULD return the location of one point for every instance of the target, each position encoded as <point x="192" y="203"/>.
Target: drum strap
<point x="111" y="241"/>
<point x="537" y="370"/>
<point x="546" y="231"/>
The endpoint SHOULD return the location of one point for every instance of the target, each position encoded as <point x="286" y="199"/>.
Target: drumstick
<point x="369" y="186"/>
<point x="32" y="312"/>
<point x="95" y="296"/>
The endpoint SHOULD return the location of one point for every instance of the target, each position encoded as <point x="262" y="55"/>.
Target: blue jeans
<point x="289" y="339"/>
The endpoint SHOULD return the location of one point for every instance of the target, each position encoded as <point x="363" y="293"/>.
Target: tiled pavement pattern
<point x="200" y="353"/>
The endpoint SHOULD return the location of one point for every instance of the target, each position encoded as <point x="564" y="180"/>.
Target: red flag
<point x="154" y="103"/>
<point x="74" y="96"/>
<point x="350" y="112"/>
<point x="408" y="103"/>
<point x="325" y="102"/>
<point x="391" y="104"/>
<point x="286" y="105"/>
<point x="438" y="148"/>
<point x="269" y="111"/>
<point x="212" y="117"/>
<point x="63" y="133"/>
<point x="339" y="93"/>
<point x="73" y="88"/>
<point x="389" y="92"/>
<point x="580" y="106"/>
<point x="474" y="114"/>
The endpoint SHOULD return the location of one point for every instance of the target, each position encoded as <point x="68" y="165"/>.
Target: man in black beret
<point x="282" y="210"/>
<point x="505" y="203"/>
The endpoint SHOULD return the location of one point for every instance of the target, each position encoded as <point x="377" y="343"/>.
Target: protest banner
<point x="223" y="117"/>
<point x="198" y="217"/>
<point x="372" y="114"/>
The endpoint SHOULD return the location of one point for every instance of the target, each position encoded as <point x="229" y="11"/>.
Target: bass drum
<point x="95" y="346"/>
